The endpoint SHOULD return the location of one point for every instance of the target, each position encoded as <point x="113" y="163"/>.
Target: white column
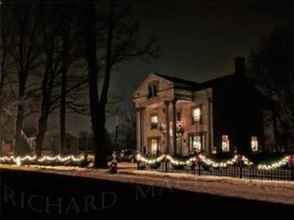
<point x="167" y="150"/>
<point x="142" y="130"/>
<point x="210" y="125"/>
<point x="138" y="130"/>
<point x="174" y="116"/>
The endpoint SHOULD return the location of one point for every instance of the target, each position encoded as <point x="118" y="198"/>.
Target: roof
<point x="220" y="82"/>
<point x="195" y="85"/>
<point x="217" y="81"/>
<point x="177" y="80"/>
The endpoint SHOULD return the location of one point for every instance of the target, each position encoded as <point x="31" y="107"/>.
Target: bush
<point x="178" y="167"/>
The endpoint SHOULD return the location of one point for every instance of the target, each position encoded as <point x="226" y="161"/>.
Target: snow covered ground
<point x="261" y="190"/>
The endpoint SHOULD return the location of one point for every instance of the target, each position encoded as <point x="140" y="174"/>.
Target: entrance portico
<point x="170" y="118"/>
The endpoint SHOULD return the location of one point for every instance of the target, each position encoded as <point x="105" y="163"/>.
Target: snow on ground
<point x="262" y="190"/>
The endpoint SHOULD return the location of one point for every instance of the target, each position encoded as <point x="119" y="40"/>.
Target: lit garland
<point x="192" y="160"/>
<point x="143" y="159"/>
<point x="246" y="161"/>
<point x="175" y="162"/>
<point x="169" y="158"/>
<point x="214" y="164"/>
<point x="44" y="159"/>
<point x="232" y="161"/>
<point x="274" y="165"/>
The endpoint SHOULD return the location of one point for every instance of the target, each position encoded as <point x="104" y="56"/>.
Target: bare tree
<point x="271" y="65"/>
<point x="25" y="53"/>
<point x="120" y="45"/>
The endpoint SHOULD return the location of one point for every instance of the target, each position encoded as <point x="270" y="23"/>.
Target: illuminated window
<point x="225" y="143"/>
<point x="196" y="114"/>
<point x="154" y="121"/>
<point x="195" y="143"/>
<point x="214" y="150"/>
<point x="154" y="146"/>
<point x="254" y="143"/>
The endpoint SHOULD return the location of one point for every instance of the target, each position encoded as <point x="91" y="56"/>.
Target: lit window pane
<point x="197" y="143"/>
<point x="154" y="146"/>
<point x="154" y="119"/>
<point x="254" y="144"/>
<point x="225" y="143"/>
<point x="196" y="114"/>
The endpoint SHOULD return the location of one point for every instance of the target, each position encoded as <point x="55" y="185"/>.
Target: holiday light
<point x="246" y="161"/>
<point x="232" y="161"/>
<point x="202" y="158"/>
<point x="169" y="158"/>
<point x="175" y="162"/>
<point x="44" y="159"/>
<point x="274" y="165"/>
<point x="18" y="161"/>
<point x="143" y="159"/>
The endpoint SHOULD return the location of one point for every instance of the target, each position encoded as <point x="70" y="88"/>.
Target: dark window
<point x="152" y="89"/>
<point x="179" y="116"/>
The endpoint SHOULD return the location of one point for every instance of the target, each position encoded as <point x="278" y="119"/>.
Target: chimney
<point x="240" y="66"/>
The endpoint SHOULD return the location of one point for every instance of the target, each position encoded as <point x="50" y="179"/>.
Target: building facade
<point x="180" y="117"/>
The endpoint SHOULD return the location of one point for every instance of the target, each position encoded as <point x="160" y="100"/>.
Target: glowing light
<point x="18" y="161"/>
<point x="274" y="165"/>
<point x="154" y="146"/>
<point x="202" y="158"/>
<point x="44" y="159"/>
<point x="254" y="144"/>
<point x="225" y="143"/>
<point x="196" y="114"/>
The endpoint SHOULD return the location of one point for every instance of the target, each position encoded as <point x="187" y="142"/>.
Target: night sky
<point x="198" y="39"/>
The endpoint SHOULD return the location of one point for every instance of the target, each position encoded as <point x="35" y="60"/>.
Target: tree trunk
<point x="63" y="114"/>
<point x="275" y="131"/>
<point x="43" y="121"/>
<point x="97" y="113"/>
<point x="65" y="54"/>
<point x="19" y="120"/>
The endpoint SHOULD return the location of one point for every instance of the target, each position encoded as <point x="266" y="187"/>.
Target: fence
<point x="233" y="168"/>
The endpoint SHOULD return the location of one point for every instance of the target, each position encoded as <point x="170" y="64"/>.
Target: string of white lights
<point x="44" y="159"/>
<point x="274" y="165"/>
<point x="202" y="158"/>
<point x="143" y="159"/>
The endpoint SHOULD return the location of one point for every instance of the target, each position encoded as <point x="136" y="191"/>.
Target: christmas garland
<point x="209" y="162"/>
<point x="41" y="160"/>
<point x="282" y="162"/>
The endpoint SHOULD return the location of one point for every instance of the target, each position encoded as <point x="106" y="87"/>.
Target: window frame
<point x="200" y="114"/>
<point x="153" y="89"/>
<point x="191" y="138"/>
<point x="153" y="125"/>
<point x="228" y="148"/>
<point x="254" y="139"/>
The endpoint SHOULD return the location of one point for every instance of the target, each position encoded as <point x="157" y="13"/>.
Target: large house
<point x="180" y="117"/>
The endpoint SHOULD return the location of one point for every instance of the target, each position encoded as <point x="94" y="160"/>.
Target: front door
<point x="154" y="146"/>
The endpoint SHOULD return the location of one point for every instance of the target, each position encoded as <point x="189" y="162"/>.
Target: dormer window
<point x="152" y="89"/>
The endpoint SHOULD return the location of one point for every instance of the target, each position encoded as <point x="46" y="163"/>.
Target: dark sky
<point x="198" y="38"/>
